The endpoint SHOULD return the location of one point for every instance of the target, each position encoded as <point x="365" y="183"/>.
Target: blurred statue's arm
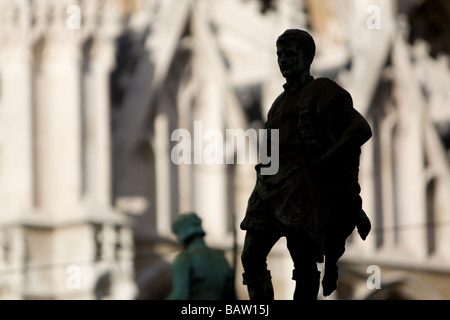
<point x="180" y="278"/>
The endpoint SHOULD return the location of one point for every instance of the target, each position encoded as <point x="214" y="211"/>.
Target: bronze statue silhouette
<point x="199" y="272"/>
<point x="313" y="200"/>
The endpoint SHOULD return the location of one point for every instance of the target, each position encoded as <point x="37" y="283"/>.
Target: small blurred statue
<point x="313" y="200"/>
<point x="199" y="272"/>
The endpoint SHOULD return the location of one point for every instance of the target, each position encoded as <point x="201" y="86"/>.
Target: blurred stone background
<point x="90" y="92"/>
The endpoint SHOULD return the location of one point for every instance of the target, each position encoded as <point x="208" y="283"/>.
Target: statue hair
<point x="303" y="40"/>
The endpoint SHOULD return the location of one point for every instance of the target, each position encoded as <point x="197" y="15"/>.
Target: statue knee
<point x="298" y="274"/>
<point x="253" y="263"/>
<point x="251" y="278"/>
<point x="259" y="285"/>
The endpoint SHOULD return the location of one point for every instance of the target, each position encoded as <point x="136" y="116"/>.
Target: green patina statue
<point x="313" y="200"/>
<point x="199" y="272"/>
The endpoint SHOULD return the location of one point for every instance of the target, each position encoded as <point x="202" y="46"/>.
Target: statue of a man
<point x="313" y="200"/>
<point x="199" y="272"/>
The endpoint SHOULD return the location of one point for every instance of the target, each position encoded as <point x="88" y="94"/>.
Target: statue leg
<point x="346" y="217"/>
<point x="307" y="284"/>
<point x="334" y="250"/>
<point x="329" y="282"/>
<point x="306" y="275"/>
<point x="256" y="277"/>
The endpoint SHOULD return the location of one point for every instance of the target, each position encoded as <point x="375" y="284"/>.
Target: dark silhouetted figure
<point x="313" y="200"/>
<point x="199" y="272"/>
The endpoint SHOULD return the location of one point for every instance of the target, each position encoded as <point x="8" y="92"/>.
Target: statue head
<point x="295" y="50"/>
<point x="187" y="226"/>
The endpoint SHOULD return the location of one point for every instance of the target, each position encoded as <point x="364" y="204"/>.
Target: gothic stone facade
<point x="90" y="92"/>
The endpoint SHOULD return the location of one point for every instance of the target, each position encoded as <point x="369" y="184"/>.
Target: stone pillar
<point x="366" y="180"/>
<point x="15" y="130"/>
<point x="442" y="216"/>
<point x="97" y="123"/>
<point x="409" y="159"/>
<point x="162" y="170"/>
<point x="439" y="170"/>
<point x="209" y="179"/>
<point x="57" y="112"/>
<point x="185" y="99"/>
<point x="387" y="181"/>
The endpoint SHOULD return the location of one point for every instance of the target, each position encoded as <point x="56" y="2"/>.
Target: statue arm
<point x="356" y="133"/>
<point x="353" y="128"/>
<point x="180" y="278"/>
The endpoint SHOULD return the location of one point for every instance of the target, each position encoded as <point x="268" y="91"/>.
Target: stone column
<point x="442" y="215"/>
<point x="162" y="170"/>
<point x="15" y="130"/>
<point x="209" y="179"/>
<point x="97" y="117"/>
<point x="366" y="180"/>
<point x="185" y="101"/>
<point x="387" y="181"/>
<point x="409" y="159"/>
<point x="439" y="170"/>
<point x="57" y="112"/>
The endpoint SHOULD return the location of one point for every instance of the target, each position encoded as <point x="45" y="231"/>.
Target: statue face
<point x="290" y="60"/>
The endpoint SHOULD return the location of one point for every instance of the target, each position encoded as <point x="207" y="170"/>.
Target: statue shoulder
<point x="274" y="104"/>
<point x="331" y="95"/>
<point x="329" y="85"/>
<point x="277" y="99"/>
<point x="182" y="259"/>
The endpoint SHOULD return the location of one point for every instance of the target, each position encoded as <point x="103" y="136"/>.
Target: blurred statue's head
<point x="295" y="50"/>
<point x="187" y="226"/>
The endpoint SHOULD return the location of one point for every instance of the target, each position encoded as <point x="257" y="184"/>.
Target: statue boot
<point x="259" y="285"/>
<point x="307" y="285"/>
<point x="329" y="282"/>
